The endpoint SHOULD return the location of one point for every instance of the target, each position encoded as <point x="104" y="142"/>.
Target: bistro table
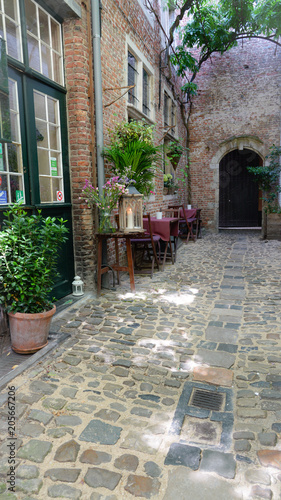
<point x="116" y="266"/>
<point x="165" y="228"/>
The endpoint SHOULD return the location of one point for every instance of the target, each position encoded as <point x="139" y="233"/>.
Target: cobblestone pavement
<point x="173" y="392"/>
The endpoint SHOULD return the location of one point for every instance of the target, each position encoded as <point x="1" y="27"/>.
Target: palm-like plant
<point x="136" y="161"/>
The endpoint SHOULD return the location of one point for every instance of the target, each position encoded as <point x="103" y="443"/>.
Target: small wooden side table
<point x="129" y="268"/>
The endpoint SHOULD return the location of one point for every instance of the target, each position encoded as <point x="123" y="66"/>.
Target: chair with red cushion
<point x="146" y="246"/>
<point x="187" y="220"/>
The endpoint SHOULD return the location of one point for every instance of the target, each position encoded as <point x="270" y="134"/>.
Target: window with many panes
<point x="11" y="168"/>
<point x="169" y="113"/>
<point x="10" y="29"/>
<point x="139" y="75"/>
<point x="145" y="93"/>
<point x="35" y="39"/>
<point x="132" y="77"/>
<point x="48" y="147"/>
<point x="44" y="42"/>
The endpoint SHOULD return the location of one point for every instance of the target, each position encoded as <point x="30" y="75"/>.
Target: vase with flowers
<point x="105" y="201"/>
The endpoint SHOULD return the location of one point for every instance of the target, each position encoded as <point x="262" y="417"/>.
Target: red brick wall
<point x="77" y="57"/>
<point x="119" y="18"/>
<point x="239" y="95"/>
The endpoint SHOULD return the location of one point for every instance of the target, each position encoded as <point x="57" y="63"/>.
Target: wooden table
<point x="116" y="266"/>
<point x="165" y="228"/>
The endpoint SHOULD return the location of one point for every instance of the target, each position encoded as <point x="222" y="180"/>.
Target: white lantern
<point x="130" y="211"/>
<point x="77" y="286"/>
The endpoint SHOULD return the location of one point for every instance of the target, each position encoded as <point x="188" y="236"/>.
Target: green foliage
<point x="184" y="176"/>
<point x="29" y="249"/>
<point x="126" y="132"/>
<point x="217" y="26"/>
<point x="136" y="162"/>
<point x="268" y="178"/>
<point x="174" y="150"/>
<point x="133" y="155"/>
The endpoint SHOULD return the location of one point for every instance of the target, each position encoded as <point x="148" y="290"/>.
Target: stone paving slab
<point x="113" y="412"/>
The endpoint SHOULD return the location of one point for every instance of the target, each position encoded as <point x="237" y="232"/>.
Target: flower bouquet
<point x="106" y="200"/>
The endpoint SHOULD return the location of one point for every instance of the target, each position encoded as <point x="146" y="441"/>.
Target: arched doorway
<point x="239" y="196"/>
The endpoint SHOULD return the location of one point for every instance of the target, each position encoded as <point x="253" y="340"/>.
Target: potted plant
<point x="133" y="154"/>
<point x="174" y="151"/>
<point x="169" y="184"/>
<point x="268" y="177"/>
<point x="29" y="248"/>
<point x="105" y="201"/>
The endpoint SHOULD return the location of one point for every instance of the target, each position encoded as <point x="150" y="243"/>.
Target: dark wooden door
<point x="238" y="192"/>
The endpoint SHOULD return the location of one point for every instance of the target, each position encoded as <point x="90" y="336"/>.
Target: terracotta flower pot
<point x="29" y="332"/>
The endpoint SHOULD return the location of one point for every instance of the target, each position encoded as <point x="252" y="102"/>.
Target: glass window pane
<point x="31" y="19"/>
<point x="57" y="64"/>
<point x="10" y="8"/>
<point x="33" y="53"/>
<point x="54" y="137"/>
<point x="16" y="186"/>
<point x="145" y="93"/>
<point x="44" y="27"/>
<point x="39" y="105"/>
<point x="45" y="189"/>
<point x="57" y="186"/>
<point x="132" y="77"/>
<point x="12" y="95"/>
<point x="1" y="26"/>
<point x="41" y="134"/>
<point x="4" y="189"/>
<point x="46" y="61"/>
<point x="13" y="42"/>
<point x="55" y="164"/>
<point x="14" y="158"/>
<point x="52" y="110"/>
<point x="56" y="44"/>
<point x="14" y="127"/>
<point x="3" y="161"/>
<point x="43" y="162"/>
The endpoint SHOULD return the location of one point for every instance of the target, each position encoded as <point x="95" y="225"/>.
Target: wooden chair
<point x="185" y="221"/>
<point x="146" y="245"/>
<point x="171" y="212"/>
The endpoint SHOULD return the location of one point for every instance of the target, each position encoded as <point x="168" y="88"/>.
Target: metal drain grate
<point x="207" y="399"/>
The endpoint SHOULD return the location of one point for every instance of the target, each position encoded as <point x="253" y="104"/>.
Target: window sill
<point x="135" y="113"/>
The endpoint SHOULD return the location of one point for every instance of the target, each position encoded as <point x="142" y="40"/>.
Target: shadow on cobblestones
<point x="171" y="392"/>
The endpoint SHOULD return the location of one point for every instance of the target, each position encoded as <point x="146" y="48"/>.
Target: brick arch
<point x="240" y="142"/>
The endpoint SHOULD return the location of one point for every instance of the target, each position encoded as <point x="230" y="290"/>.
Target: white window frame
<point x="17" y="23"/>
<point x="171" y="102"/>
<point x="136" y="110"/>
<point x="49" y="45"/>
<point x="8" y="173"/>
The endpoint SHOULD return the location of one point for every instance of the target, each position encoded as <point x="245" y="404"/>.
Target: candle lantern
<point x="130" y="211"/>
<point x="77" y="286"/>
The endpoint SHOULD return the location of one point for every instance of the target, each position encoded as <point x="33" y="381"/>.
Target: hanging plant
<point x="174" y="151"/>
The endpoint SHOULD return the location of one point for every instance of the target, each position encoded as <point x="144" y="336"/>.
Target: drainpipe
<point x="96" y="38"/>
<point x="96" y="30"/>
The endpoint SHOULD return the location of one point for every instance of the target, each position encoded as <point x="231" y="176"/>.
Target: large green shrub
<point x="29" y="250"/>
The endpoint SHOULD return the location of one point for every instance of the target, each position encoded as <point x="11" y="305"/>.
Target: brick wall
<point x="119" y="19"/>
<point x="77" y="57"/>
<point x="238" y="105"/>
